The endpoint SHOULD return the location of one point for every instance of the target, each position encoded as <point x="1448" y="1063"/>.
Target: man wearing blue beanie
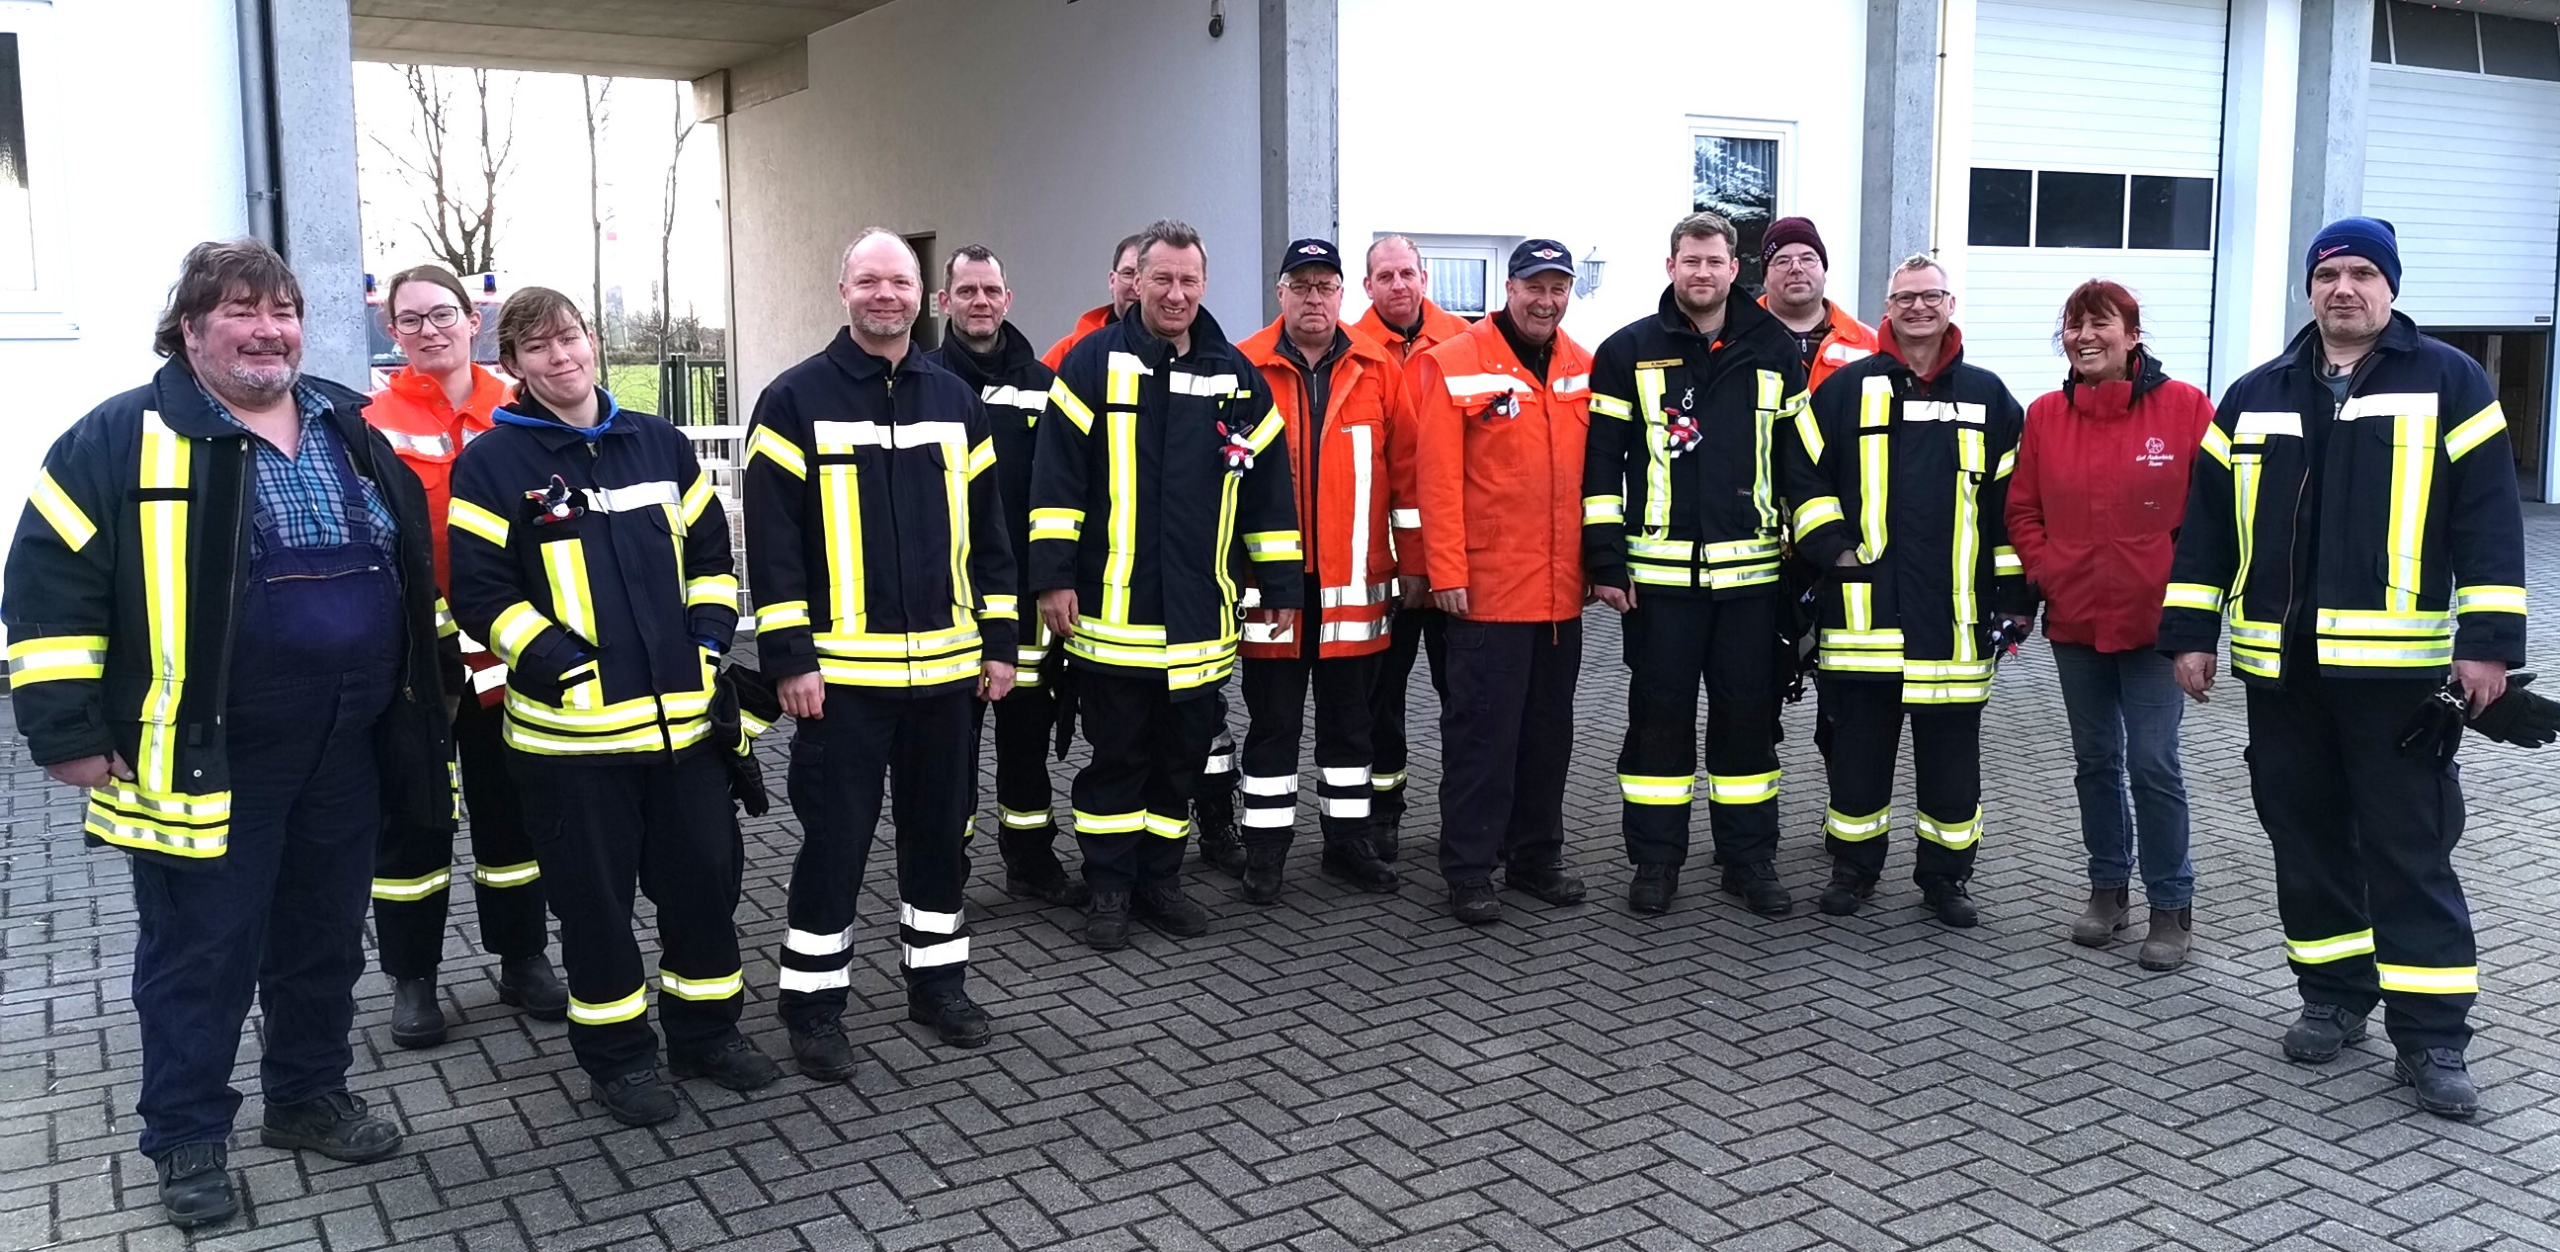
<point x="2354" y="519"/>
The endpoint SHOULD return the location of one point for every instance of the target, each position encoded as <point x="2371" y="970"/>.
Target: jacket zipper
<point x="2293" y="541"/>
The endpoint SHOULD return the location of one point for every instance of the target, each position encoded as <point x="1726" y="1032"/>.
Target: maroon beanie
<point x="1787" y="230"/>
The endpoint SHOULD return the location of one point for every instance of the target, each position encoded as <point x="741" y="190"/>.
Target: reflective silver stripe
<point x="948" y="952"/>
<point x="928" y="921"/>
<point x="1363" y="439"/>
<point x="807" y="943"/>
<point x="1355" y="597"/>
<point x="635" y="497"/>
<point x="834" y="436"/>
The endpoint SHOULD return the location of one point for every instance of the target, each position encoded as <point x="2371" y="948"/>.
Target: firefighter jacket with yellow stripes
<point x="124" y="583"/>
<point x="1157" y="477"/>
<point x="1910" y="474"/>
<point x="1680" y="478"/>
<point x="595" y="563"/>
<point x="1014" y="386"/>
<point x="2379" y="536"/>
<point x="875" y="535"/>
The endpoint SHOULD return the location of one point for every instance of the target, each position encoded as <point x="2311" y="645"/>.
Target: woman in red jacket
<point x="2093" y="512"/>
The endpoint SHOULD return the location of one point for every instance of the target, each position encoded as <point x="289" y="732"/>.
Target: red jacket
<point x="2095" y="504"/>
<point x="1502" y="491"/>
<point x="1093" y="320"/>
<point x="1361" y="490"/>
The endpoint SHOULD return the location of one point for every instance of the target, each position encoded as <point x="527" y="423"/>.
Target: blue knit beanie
<point x="2369" y="237"/>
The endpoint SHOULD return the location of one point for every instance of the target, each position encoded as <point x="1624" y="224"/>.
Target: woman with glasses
<point x="434" y="405"/>
<point x="2093" y="511"/>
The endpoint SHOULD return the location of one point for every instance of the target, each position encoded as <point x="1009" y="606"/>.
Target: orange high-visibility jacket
<point x="1093" y="320"/>
<point x="1361" y="491"/>
<point x="1502" y="493"/>
<point x="428" y="433"/>
<point x="1439" y="326"/>
<point x="1849" y="340"/>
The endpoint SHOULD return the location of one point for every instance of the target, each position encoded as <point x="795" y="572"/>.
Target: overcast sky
<point x="543" y="235"/>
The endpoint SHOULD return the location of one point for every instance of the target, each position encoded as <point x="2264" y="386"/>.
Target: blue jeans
<point x="2124" y="709"/>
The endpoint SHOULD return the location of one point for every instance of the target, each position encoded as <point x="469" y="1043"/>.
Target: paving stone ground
<point x="1345" y="1071"/>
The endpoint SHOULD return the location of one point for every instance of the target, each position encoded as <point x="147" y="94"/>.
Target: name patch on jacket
<point x="1672" y="363"/>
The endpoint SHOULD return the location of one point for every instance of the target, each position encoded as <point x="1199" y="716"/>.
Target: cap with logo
<point x="1537" y="256"/>
<point x="1305" y="252"/>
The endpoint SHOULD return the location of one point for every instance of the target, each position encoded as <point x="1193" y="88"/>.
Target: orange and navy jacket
<point x="1501" y="472"/>
<point x="1354" y="482"/>
<point x="1093" y="320"/>
<point x="1439" y="326"/>
<point x="422" y="426"/>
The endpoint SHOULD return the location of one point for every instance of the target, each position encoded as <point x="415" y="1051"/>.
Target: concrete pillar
<point x="2254" y="267"/>
<point x="1900" y="158"/>
<point x="1301" y="195"/>
<point x="298" y="82"/>
<point x="2336" y="77"/>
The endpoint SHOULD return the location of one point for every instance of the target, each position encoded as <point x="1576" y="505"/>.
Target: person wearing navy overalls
<point x="223" y="624"/>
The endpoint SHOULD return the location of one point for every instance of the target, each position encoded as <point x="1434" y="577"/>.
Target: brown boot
<point x="2172" y="930"/>
<point x="2109" y="908"/>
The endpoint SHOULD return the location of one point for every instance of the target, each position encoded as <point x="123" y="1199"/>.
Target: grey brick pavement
<point x="1343" y="1071"/>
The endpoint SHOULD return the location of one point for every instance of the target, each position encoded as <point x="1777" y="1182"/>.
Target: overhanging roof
<point x="638" y="38"/>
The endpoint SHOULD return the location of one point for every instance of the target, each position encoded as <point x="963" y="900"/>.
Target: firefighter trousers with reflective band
<point x="1026" y="828"/>
<point x="413" y="867"/>
<point x="280" y="915"/>
<point x="1218" y="772"/>
<point x="1506" y="742"/>
<point x="1133" y="799"/>
<point x="2364" y="837"/>
<point x="602" y="826"/>
<point x="1670" y="641"/>
<point x="1946" y="766"/>
<point x="917" y="748"/>
<point x="1414" y="630"/>
<point x="1275" y="699"/>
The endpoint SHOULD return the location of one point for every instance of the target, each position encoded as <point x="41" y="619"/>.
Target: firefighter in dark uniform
<point x="2354" y="518"/>
<point x="1900" y="473"/>
<point x="1681" y="527"/>
<point x="988" y="353"/>
<point x="223" y="625"/>
<point x="885" y="613"/>
<point x="591" y="554"/>
<point x="1161" y="471"/>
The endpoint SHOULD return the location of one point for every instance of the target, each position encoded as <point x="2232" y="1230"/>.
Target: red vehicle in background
<point x="385" y="351"/>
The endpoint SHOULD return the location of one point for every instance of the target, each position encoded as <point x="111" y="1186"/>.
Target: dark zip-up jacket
<point x="875" y="532"/>
<point x="1681" y="487"/>
<point x="1014" y="386"/>
<point x="610" y="601"/>
<point x="152" y="491"/>
<point x="2405" y="553"/>
<point x="1165" y="475"/>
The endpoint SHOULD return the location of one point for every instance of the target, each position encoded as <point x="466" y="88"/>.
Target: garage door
<point x="2097" y="140"/>
<point x="2467" y="167"/>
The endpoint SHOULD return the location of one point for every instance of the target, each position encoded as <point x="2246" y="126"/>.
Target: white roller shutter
<point x="2130" y="86"/>
<point x="2467" y="168"/>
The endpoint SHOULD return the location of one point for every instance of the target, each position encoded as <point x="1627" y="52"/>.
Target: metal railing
<point x="693" y="393"/>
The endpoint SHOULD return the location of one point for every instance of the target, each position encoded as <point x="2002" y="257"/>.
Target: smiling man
<point x="2354" y="518"/>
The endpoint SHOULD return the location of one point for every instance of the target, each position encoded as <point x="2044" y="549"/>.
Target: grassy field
<point x="634" y="386"/>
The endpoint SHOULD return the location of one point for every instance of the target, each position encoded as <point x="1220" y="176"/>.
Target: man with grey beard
<point x="223" y="626"/>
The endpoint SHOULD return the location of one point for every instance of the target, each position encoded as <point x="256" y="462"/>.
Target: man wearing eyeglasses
<point x="1123" y="280"/>
<point x="1349" y="429"/>
<point x="1900" y="474"/>
<point x="1798" y="270"/>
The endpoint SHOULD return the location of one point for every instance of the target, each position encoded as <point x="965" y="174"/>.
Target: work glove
<point x="1057" y="673"/>
<point x="743" y="705"/>
<point x="2520" y="717"/>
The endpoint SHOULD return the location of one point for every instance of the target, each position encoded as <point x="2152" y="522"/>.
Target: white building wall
<point x="1046" y="131"/>
<point x="1601" y="153"/>
<point x="125" y="179"/>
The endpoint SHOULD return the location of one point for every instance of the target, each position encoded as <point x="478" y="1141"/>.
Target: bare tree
<point x="458" y="195"/>
<point x="595" y="92"/>
<point x="667" y="219"/>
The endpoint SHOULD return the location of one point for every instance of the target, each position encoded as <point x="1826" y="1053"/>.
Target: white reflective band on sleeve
<point x="808" y="944"/>
<point x="926" y="920"/>
<point x="952" y="952"/>
<point x="1405" y="519"/>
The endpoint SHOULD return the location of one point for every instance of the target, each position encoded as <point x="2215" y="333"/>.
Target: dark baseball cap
<point x="1305" y="252"/>
<point x="1537" y="256"/>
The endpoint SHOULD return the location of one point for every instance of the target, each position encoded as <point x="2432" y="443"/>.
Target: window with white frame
<point x="33" y="286"/>
<point x="1465" y="270"/>
<point x="1742" y="170"/>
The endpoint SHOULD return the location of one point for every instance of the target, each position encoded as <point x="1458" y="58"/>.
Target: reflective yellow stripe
<point x="782" y="452"/>
<point x="840" y="512"/>
<point x="196" y="825"/>
<point x="418" y="888"/>
<point x="2005" y="562"/>
<point x="712" y="590"/>
<point x="1120" y="461"/>
<point x="1273" y="545"/>
<point x="1608" y="405"/>
<point x="702" y="988"/>
<point x="1875" y="482"/>
<point x="1657" y="453"/>
<point x="2334" y="948"/>
<point x="782" y="616"/>
<point x="59" y="511"/>
<point x="1663" y="789"/>
<point x="1764" y="427"/>
<point x="515" y="629"/>
<point x="471" y="519"/>
<point x="2434" y="980"/>
<point x="2367" y="655"/>
<point x="2245" y="476"/>
<point x="573" y="601"/>
<point x="2193" y="596"/>
<point x="1875" y="402"/>
<point x="697" y="498"/>
<point x="1809" y="430"/>
<point x="1077" y="411"/>
<point x="1816" y="513"/>
<point x="1265" y="431"/>
<point x="2486" y="598"/>
<point x="515" y="875"/>
<point x="1167" y="827"/>
<point x="892" y="645"/>
<point x="56" y="657"/>
<point x="981" y="458"/>
<point x="1603" y="509"/>
<point x="1742" y="788"/>
<point x="583" y="1013"/>
<point x="1067" y="524"/>
<point x="166" y="461"/>
<point x="1002" y="607"/>
<point x="1966" y="542"/>
<point x="1024" y="819"/>
<point x="1121" y="372"/>
<point x="1843" y="826"/>
<point x="2475" y="430"/>
<point x="2413" y="464"/>
<point x="1109" y="823"/>
<point x="2419" y="625"/>
<point x="1952" y="835"/>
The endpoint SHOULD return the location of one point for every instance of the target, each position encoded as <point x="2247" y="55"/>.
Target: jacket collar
<point x="1012" y="356"/>
<point x="2116" y="395"/>
<point x="1208" y="342"/>
<point x="529" y="413"/>
<point x="1264" y="350"/>
<point x="488" y="392"/>
<point x="849" y="357"/>
<point x="181" y="403"/>
<point x="1743" y="320"/>
<point x="2400" y="334"/>
<point x="1954" y="355"/>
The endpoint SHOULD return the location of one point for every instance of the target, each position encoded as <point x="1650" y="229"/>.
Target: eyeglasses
<point x="440" y="317"/>
<point x="1805" y="262"/>
<point x="1926" y="299"/>
<point x="1314" y="288"/>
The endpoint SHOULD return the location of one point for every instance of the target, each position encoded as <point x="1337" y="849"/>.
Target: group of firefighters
<point x="230" y="611"/>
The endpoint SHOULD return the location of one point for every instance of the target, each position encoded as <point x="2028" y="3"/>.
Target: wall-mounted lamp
<point x="1587" y="271"/>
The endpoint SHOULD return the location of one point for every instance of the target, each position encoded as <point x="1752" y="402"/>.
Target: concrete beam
<point x="311" y="137"/>
<point x="1301" y="194"/>
<point x="1900" y="157"/>
<point x="2336" y="79"/>
<point x="2253" y="252"/>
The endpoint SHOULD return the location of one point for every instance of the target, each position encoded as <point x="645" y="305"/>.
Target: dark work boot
<point x="1761" y="891"/>
<point x="735" y="1064"/>
<point x="1849" y="888"/>
<point x="1948" y="898"/>
<point x="1651" y="890"/>
<point x="2321" y="1033"/>
<point x="1106" y="929"/>
<point x="334" y="1125"/>
<point x="530" y="984"/>
<point x="959" y="1022"/>
<point x="1031" y="869"/>
<point x="1214" y="815"/>
<point x="1386" y="835"/>
<point x="2110" y="909"/>
<point x="2442" y="1079"/>
<point x="1354" y="859"/>
<point x="635" y="1099"/>
<point x="417" y="1019"/>
<point x="1474" y="903"/>
<point x="822" y="1051"/>
<point x="1262" y="874"/>
<point x="195" y="1185"/>
<point x="1164" y="906"/>
<point x="1547" y="882"/>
